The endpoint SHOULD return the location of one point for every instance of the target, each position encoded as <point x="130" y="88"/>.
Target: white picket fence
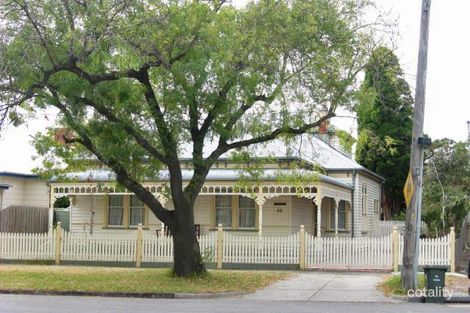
<point x="160" y="248"/>
<point x="346" y="252"/>
<point x="16" y="246"/>
<point x="432" y="251"/>
<point x="224" y="247"/>
<point x="261" y="249"/>
<point x="102" y="247"/>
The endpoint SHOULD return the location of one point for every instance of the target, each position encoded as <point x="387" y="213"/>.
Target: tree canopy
<point x="137" y="83"/>
<point x="446" y="192"/>
<point x="385" y="113"/>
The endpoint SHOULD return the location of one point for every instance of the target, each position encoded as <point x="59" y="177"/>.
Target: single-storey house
<point x="343" y="199"/>
<point x="26" y="190"/>
<point x="24" y="203"/>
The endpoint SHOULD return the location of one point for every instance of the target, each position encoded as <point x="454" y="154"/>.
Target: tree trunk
<point x="186" y="252"/>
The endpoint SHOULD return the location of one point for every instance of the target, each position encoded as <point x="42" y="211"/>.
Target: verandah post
<point x="58" y="242"/>
<point x="139" y="246"/>
<point x="302" y="247"/>
<point x="452" y="249"/>
<point x="220" y="246"/>
<point x="395" y="249"/>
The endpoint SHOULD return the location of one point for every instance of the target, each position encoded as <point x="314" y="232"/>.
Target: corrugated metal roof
<point x="20" y="175"/>
<point x="213" y="175"/>
<point x="307" y="147"/>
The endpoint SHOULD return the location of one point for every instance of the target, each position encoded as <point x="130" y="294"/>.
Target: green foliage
<point x="446" y="193"/>
<point x="62" y="202"/>
<point x="346" y="140"/>
<point x="140" y="83"/>
<point x="385" y="124"/>
<point x="274" y="60"/>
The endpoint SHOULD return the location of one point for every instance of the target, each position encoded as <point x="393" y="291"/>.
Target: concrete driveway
<point x="325" y="286"/>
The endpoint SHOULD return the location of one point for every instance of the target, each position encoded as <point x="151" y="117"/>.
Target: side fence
<point x="227" y="249"/>
<point x="384" y="228"/>
<point x="18" y="219"/>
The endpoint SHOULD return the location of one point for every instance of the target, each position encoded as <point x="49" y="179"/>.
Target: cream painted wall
<point x="302" y="214"/>
<point x="24" y="192"/>
<point x="373" y="194"/>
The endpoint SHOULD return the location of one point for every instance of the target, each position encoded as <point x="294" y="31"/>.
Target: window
<point x="364" y="200"/>
<point x="246" y="212"/>
<point x="223" y="210"/>
<point x="341" y="216"/>
<point x="376" y="206"/>
<point x="136" y="211"/>
<point x="365" y="218"/>
<point x="116" y="210"/>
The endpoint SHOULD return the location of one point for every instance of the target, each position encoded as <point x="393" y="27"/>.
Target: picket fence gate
<point x="301" y="249"/>
<point x="349" y="253"/>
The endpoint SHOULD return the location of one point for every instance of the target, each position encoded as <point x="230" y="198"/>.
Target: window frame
<point x="122" y="224"/>
<point x="230" y="209"/>
<point x="376" y="206"/>
<point x="126" y="218"/>
<point x="251" y="208"/>
<point x="130" y="212"/>
<point x="331" y="221"/>
<point x="364" y="200"/>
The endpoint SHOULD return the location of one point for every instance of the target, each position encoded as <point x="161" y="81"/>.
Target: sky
<point x="447" y="107"/>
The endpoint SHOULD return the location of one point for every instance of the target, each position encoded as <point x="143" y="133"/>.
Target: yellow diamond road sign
<point x="409" y="189"/>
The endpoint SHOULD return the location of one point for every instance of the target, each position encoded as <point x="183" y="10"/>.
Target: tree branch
<point x="139" y="138"/>
<point x="122" y="176"/>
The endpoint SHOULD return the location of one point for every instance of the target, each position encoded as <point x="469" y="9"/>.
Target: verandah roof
<point x="219" y="181"/>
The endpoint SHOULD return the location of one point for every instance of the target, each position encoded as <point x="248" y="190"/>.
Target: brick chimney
<point x="323" y="128"/>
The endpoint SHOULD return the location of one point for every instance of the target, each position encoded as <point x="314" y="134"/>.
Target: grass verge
<point x="100" y="279"/>
<point x="391" y="285"/>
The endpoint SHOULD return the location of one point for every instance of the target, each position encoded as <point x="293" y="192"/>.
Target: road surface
<point x="71" y="304"/>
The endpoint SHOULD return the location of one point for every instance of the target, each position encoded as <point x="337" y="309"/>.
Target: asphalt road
<point x="70" y="304"/>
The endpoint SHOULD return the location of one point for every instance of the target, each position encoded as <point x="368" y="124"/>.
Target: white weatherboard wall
<point x="277" y="216"/>
<point x="302" y="214"/>
<point x="373" y="193"/>
<point x="24" y="192"/>
<point x="14" y="194"/>
<point x="81" y="212"/>
<point x="36" y="193"/>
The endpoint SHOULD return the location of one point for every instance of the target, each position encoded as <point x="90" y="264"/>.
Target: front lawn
<point x="105" y="279"/>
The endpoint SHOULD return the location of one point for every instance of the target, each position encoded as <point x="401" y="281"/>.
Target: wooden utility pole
<point x="413" y="212"/>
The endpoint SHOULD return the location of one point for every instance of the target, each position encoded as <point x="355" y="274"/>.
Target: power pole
<point x="468" y="135"/>
<point x="413" y="212"/>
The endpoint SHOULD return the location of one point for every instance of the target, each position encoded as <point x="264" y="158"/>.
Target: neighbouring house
<point x="24" y="203"/>
<point x="28" y="190"/>
<point x="343" y="199"/>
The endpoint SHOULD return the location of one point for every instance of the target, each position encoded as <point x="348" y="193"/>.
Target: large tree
<point x="385" y="114"/>
<point x="136" y="82"/>
<point x="446" y="193"/>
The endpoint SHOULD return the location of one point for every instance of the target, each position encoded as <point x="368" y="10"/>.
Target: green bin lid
<point x="435" y="267"/>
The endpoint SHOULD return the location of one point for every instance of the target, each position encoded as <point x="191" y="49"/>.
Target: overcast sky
<point x="447" y="103"/>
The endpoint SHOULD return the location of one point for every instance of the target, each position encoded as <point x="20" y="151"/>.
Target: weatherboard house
<point x="343" y="199"/>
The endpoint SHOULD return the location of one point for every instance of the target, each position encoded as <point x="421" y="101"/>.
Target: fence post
<point x="58" y="242"/>
<point x="452" y="249"/>
<point x="139" y="246"/>
<point x="395" y="245"/>
<point x="220" y="246"/>
<point x="302" y="247"/>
